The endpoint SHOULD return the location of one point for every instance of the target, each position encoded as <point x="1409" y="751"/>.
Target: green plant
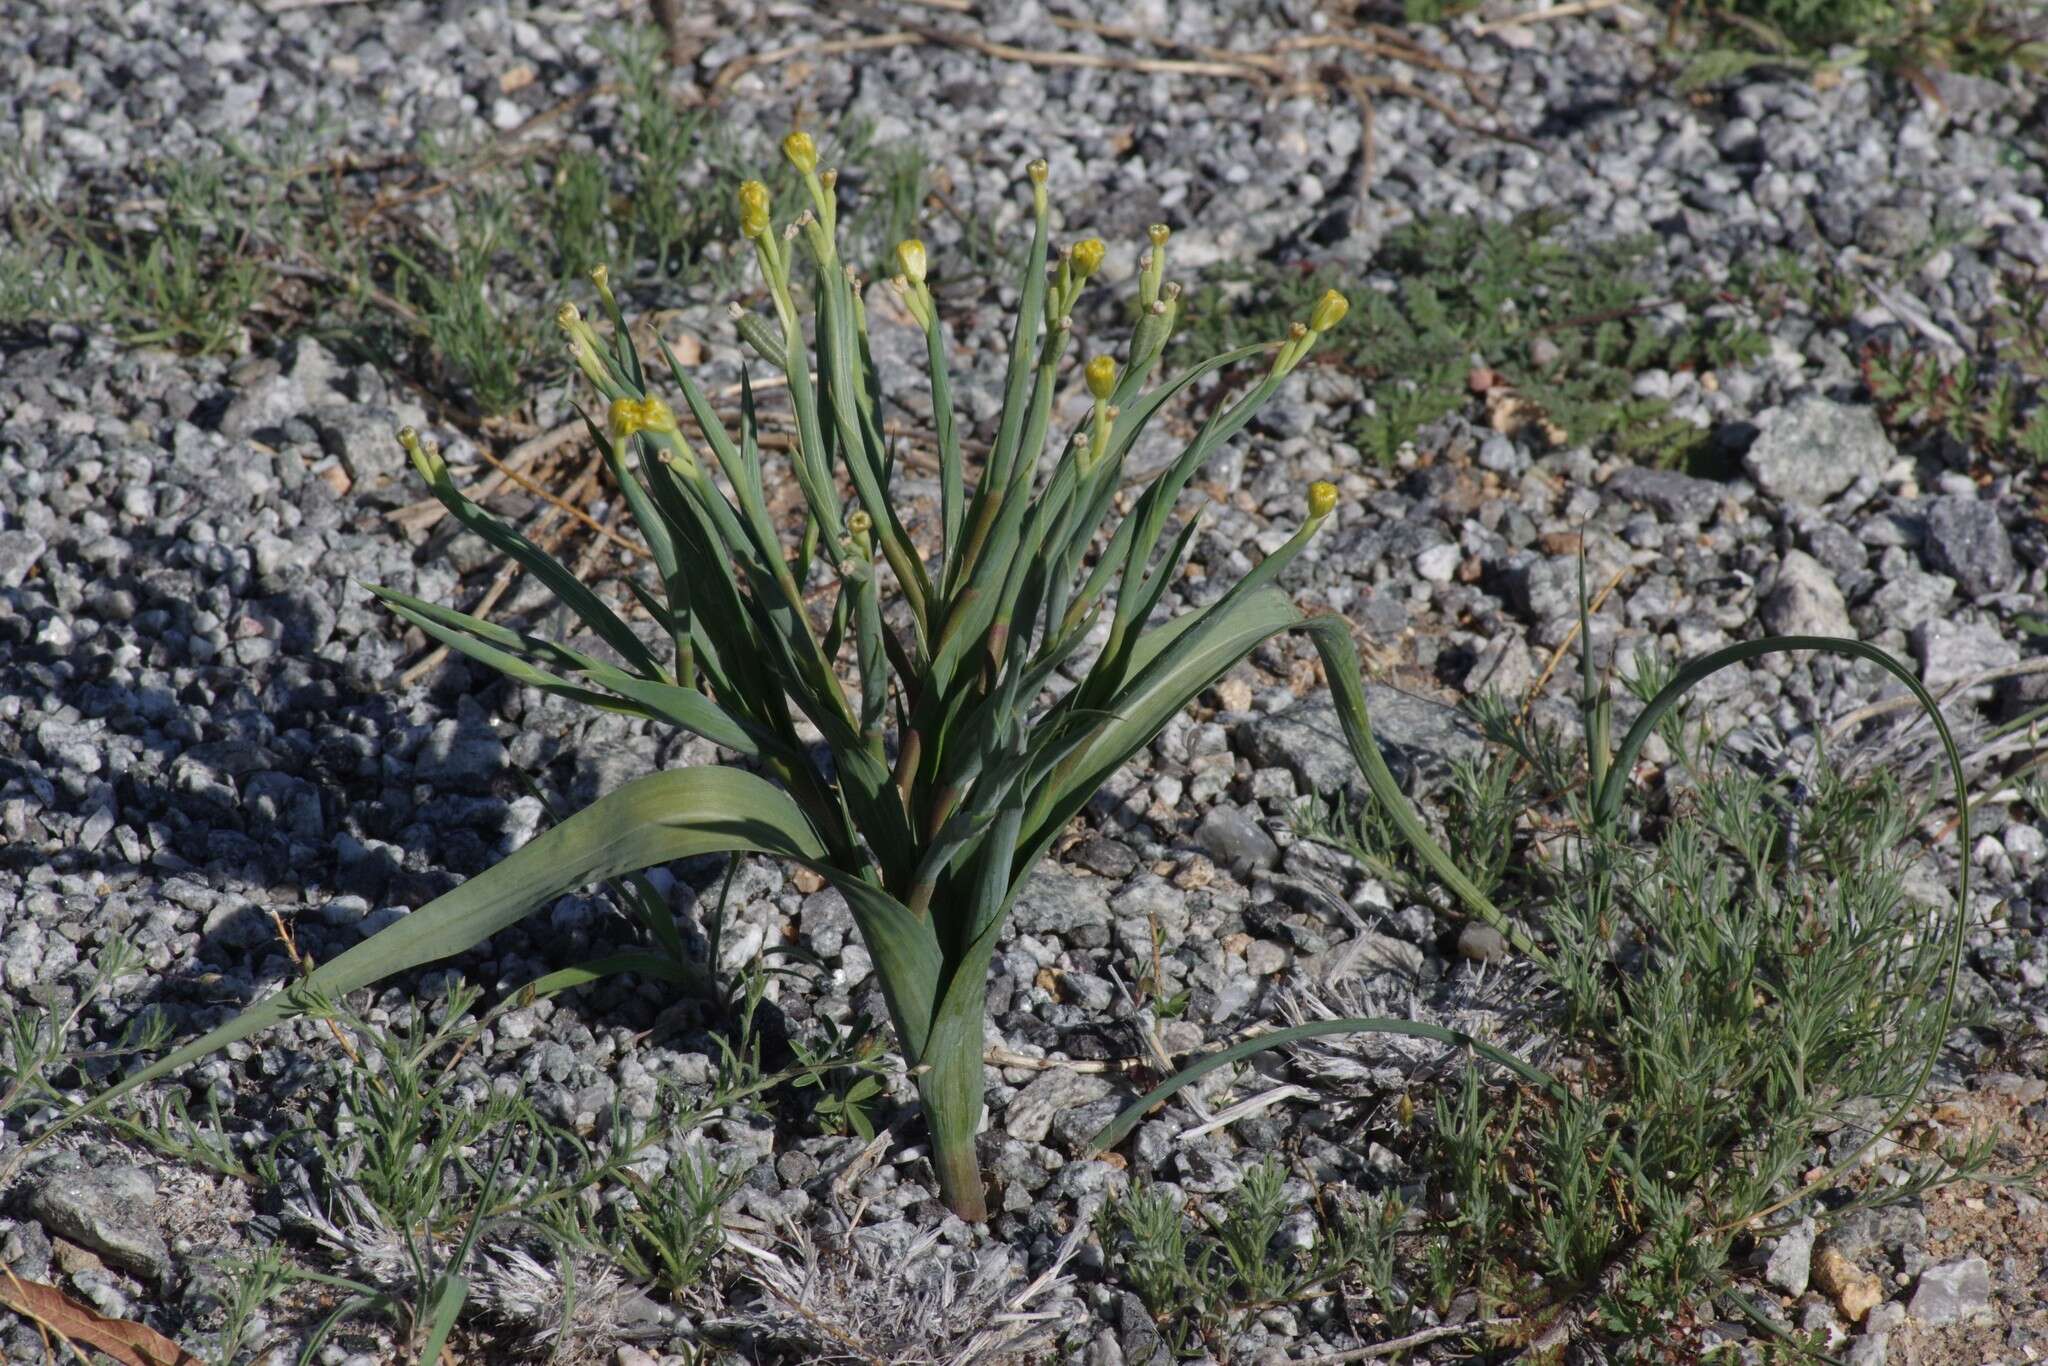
<point x="1979" y="408"/>
<point x="489" y="347"/>
<point x="1200" y="1285"/>
<point x="929" y="826"/>
<point x="676" y="1224"/>
<point x="1909" y="36"/>
<point x="1731" y="980"/>
<point x="1565" y="327"/>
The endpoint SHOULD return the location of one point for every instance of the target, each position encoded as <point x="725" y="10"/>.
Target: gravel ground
<point x="204" y="731"/>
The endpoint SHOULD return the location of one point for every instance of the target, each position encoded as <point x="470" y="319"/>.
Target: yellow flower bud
<point x="1328" y="312"/>
<point x="801" y="151"/>
<point x="601" y="278"/>
<point x="567" y="316"/>
<point x="1038" y="171"/>
<point x="753" y="209"/>
<point x="859" y="523"/>
<point x="910" y="259"/>
<point x="1159" y="232"/>
<point x="1088" y="257"/>
<point x="1101" y="373"/>
<point x="1322" y="499"/>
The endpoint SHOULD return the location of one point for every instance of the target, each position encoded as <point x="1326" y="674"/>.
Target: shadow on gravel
<point x="284" y="788"/>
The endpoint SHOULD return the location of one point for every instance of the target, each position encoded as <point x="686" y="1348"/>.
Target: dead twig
<point x="1395" y="1346"/>
<point x="1571" y="10"/>
<point x="997" y="1056"/>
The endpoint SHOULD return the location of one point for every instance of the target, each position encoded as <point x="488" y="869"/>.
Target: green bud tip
<point x="1328" y="312"/>
<point x="601" y="277"/>
<point x="1088" y="256"/>
<point x="1038" y="171"/>
<point x="1101" y="373"/>
<point x="801" y="151"/>
<point x="910" y="258"/>
<point x="753" y="209"/>
<point x="567" y="316"/>
<point x="1159" y="232"/>
<point x="1322" y="499"/>
<point x="859" y="523"/>
<point x="1296" y="331"/>
<point x="425" y="457"/>
<point x="829" y="177"/>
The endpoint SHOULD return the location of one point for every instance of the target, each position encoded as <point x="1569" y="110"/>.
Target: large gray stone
<point x="1791" y="1259"/>
<point x="1235" y="840"/>
<point x="1909" y="599"/>
<point x="19" y="551"/>
<point x="1672" y="496"/>
<point x="1804" y="600"/>
<point x="1032" y="1110"/>
<point x="465" y="756"/>
<point x="1966" y="541"/>
<point x="1418" y="738"/>
<point x="1812" y="448"/>
<point x="1949" y="651"/>
<point x="1953" y="1292"/>
<point x="1054" y="901"/>
<point x="107" y="1209"/>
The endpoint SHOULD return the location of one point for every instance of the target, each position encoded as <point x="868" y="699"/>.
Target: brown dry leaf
<point x="131" y="1344"/>
<point x="518" y="78"/>
<point x="687" y="350"/>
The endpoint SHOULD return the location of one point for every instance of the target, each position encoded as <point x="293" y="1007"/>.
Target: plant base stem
<point x="959" y="1172"/>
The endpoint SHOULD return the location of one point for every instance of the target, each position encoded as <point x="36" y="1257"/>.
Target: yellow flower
<point x="910" y="259"/>
<point x="801" y="151"/>
<point x="630" y="416"/>
<point x="1328" y="312"/>
<point x="1101" y="373"/>
<point x="753" y="209"/>
<point x="1088" y="257"/>
<point x="1322" y="499"/>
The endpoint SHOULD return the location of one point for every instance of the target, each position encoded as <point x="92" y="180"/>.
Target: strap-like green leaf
<point x="509" y="651"/>
<point x="550" y="571"/>
<point x="678" y="814"/>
